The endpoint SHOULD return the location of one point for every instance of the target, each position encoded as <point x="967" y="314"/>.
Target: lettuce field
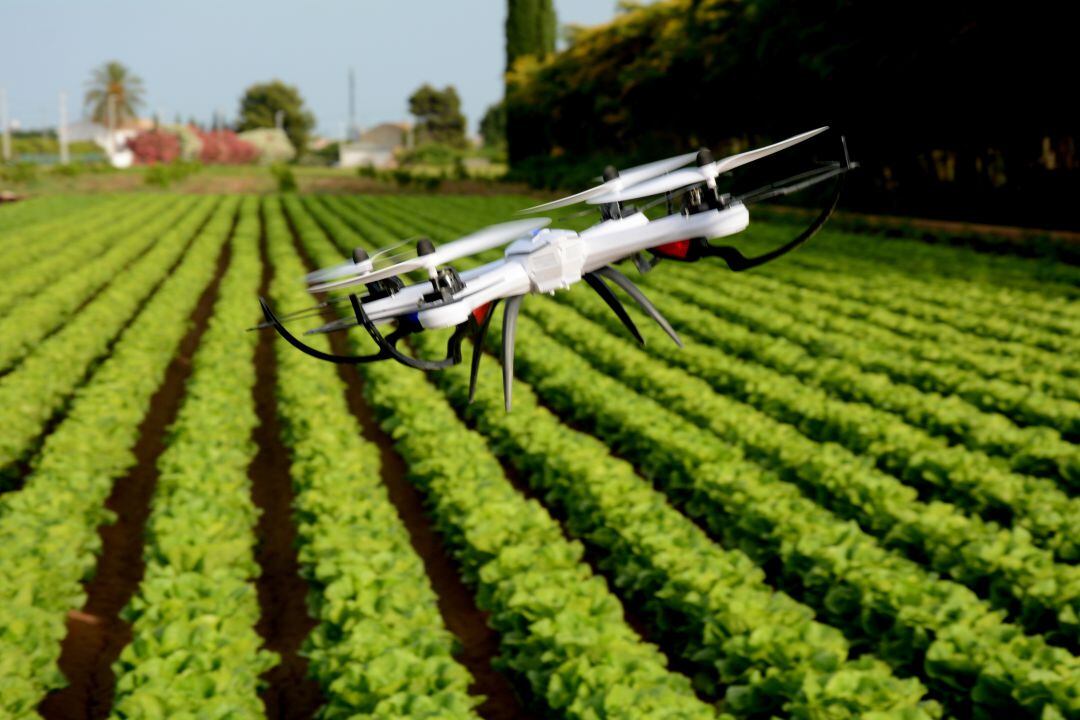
<point x="854" y="493"/>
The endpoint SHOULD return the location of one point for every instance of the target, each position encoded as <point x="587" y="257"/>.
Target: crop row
<point x="814" y="357"/>
<point x="40" y="210"/>
<point x="913" y="618"/>
<point x="762" y="646"/>
<point x="891" y="296"/>
<point x="710" y="604"/>
<point x="48" y="532"/>
<point x="952" y="473"/>
<point x="73" y="259"/>
<point x="194" y="647"/>
<point x="937" y="284"/>
<point x="25" y="244"/>
<point x="1046" y="594"/>
<point x="1032" y="450"/>
<point x="891" y="331"/>
<point x="561" y="629"/>
<point x="1000" y="278"/>
<point x="820" y="288"/>
<point x="1019" y="403"/>
<point x="33" y="392"/>
<point x="381" y="648"/>
<point x="43" y="313"/>
<point x="1007" y="635"/>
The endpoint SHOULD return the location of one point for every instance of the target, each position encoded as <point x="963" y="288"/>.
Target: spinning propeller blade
<point x="625" y="179"/>
<point x="360" y="263"/>
<point x="477" y="242"/>
<point x="703" y="174"/>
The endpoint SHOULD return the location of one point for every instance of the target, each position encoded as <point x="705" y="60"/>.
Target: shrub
<point x="286" y="181"/>
<point x="224" y="147"/>
<point x="154" y="146"/>
<point x="272" y="144"/>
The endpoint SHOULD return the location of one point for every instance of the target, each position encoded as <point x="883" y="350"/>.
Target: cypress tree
<point x="531" y="27"/>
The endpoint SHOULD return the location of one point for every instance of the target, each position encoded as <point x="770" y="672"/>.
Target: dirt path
<point x="480" y="644"/>
<point x="283" y="620"/>
<point x="96" y="634"/>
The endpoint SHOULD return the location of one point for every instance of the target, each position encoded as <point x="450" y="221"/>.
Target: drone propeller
<point x="361" y="263"/>
<point x="705" y="173"/>
<point x="485" y="239"/>
<point x="624" y="179"/>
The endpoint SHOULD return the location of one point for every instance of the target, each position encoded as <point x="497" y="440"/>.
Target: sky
<point x="197" y="56"/>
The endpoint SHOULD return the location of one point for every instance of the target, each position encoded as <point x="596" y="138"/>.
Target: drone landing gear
<point x="596" y="282"/>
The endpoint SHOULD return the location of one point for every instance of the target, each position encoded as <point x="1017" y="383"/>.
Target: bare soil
<point x="284" y="621"/>
<point x="479" y="643"/>
<point x="96" y="634"/>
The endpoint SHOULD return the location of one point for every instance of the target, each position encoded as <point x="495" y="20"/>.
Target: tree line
<point x="953" y="109"/>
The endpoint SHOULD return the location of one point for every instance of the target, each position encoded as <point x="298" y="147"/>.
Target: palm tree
<point x="113" y="80"/>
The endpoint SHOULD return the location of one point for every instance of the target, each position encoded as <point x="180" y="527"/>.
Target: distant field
<point x="852" y="494"/>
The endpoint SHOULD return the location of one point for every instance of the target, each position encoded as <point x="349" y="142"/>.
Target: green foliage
<point x="163" y="175"/>
<point x="48" y="144"/>
<point x="194" y="647"/>
<point x="49" y="528"/>
<point x="438" y="116"/>
<point x="433" y="153"/>
<point x="493" y="126"/>
<point x="21" y="172"/>
<point x="380" y="649"/>
<point x="550" y="609"/>
<point x="283" y="175"/>
<point x="261" y="103"/>
<point x="113" y="81"/>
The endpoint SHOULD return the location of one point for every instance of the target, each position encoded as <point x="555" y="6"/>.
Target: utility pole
<point x="62" y="130"/>
<point x="353" y="133"/>
<point x="7" y="126"/>
<point x="110" y="122"/>
<point x="279" y="119"/>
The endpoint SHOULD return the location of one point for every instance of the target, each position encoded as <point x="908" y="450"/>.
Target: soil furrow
<point x="480" y="644"/>
<point x="96" y="633"/>
<point x="284" y="622"/>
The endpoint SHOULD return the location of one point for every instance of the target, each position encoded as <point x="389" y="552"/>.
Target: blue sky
<point x="197" y="56"/>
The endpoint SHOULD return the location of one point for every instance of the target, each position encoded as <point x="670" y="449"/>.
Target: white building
<point x="376" y="146"/>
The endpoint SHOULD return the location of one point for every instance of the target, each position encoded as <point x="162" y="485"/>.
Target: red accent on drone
<point x="677" y="249"/>
<point x="481" y="312"/>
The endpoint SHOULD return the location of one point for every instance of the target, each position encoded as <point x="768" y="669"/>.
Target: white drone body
<point x="547" y="260"/>
<point x="538" y="259"/>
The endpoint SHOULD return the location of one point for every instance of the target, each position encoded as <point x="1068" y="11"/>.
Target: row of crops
<point x="851" y="494"/>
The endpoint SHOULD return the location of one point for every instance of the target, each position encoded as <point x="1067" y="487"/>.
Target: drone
<point x="540" y="259"/>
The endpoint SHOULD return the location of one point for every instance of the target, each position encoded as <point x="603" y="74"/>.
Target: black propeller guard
<point x="387" y="345"/>
<point x="695" y="249"/>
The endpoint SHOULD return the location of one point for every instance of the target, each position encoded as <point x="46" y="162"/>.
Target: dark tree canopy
<point x="261" y="103"/>
<point x="953" y="109"/>
<point x="438" y="115"/>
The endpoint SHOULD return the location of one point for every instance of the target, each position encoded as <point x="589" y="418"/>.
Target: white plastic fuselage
<point x="551" y="260"/>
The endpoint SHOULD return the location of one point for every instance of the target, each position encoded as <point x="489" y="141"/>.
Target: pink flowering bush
<point x="223" y="147"/>
<point x="151" y="147"/>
